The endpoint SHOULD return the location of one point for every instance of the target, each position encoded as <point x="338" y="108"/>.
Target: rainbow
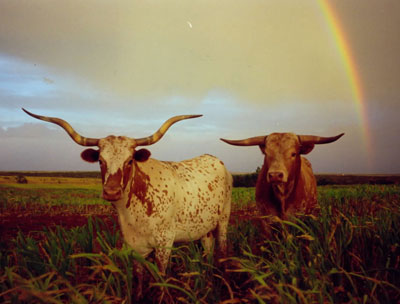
<point x="345" y="51"/>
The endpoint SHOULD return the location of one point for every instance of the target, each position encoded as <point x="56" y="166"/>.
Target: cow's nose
<point x="112" y="194"/>
<point x="276" y="176"/>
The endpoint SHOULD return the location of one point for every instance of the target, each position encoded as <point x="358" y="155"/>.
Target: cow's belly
<point x="192" y="224"/>
<point x="201" y="202"/>
<point x="194" y="231"/>
<point x="138" y="235"/>
<point x="139" y="243"/>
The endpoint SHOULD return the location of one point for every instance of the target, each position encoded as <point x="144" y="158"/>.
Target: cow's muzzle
<point x="276" y="177"/>
<point x="112" y="194"/>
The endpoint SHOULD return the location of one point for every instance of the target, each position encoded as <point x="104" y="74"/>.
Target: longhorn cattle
<point x="159" y="203"/>
<point x="286" y="183"/>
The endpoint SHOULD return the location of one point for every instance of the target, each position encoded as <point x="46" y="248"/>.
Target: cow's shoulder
<point x="306" y="163"/>
<point x="307" y="175"/>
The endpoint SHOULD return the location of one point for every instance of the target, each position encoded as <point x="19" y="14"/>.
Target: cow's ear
<point x="142" y="155"/>
<point x="90" y="155"/>
<point x="306" y="148"/>
<point x="262" y="148"/>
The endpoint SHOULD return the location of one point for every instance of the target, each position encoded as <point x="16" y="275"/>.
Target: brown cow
<point x="286" y="183"/>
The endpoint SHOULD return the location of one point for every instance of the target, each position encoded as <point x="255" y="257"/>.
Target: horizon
<point x="231" y="172"/>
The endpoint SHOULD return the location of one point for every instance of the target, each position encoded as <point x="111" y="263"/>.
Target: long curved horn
<point x="311" y="139"/>
<point x="80" y="140"/>
<point x="145" y="141"/>
<point x="252" y="141"/>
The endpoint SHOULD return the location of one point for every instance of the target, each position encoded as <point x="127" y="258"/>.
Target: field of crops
<point x="61" y="243"/>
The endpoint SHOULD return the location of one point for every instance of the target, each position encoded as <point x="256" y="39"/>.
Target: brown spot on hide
<point x="139" y="188"/>
<point x="127" y="174"/>
<point x="210" y="187"/>
<point x="103" y="174"/>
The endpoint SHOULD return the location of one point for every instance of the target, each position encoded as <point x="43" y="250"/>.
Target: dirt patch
<point x="249" y="213"/>
<point x="13" y="221"/>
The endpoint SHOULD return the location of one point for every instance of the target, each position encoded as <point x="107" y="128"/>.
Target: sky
<point x="251" y="67"/>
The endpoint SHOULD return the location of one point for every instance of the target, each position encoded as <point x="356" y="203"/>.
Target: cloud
<point x="29" y="130"/>
<point x="147" y="50"/>
<point x="21" y="79"/>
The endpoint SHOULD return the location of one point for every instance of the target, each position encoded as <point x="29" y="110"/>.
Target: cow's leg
<point x="266" y="228"/>
<point x="266" y="214"/>
<point x="165" y="240"/>
<point x="138" y="270"/>
<point x="222" y="232"/>
<point x="222" y="229"/>
<point x="207" y="242"/>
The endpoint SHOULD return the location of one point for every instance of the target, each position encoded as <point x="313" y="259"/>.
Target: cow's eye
<point x="100" y="162"/>
<point x="130" y="162"/>
<point x="294" y="154"/>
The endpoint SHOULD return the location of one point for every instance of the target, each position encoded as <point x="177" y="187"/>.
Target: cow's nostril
<point x="275" y="176"/>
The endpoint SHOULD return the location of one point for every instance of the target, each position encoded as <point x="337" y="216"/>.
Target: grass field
<point x="61" y="243"/>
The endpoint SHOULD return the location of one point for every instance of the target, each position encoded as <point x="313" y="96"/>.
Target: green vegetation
<point x="250" y="179"/>
<point x="239" y="180"/>
<point x="350" y="253"/>
<point x="30" y="196"/>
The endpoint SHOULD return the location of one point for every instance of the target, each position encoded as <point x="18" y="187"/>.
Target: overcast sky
<point x="250" y="67"/>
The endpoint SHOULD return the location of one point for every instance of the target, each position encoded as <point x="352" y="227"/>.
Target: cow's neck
<point x="284" y="194"/>
<point x="138" y="187"/>
<point x="135" y="190"/>
<point x="291" y="186"/>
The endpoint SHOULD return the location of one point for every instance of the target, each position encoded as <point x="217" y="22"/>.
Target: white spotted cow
<point x="159" y="203"/>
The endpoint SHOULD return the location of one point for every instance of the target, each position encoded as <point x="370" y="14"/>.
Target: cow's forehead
<point x="116" y="149"/>
<point x="282" y="141"/>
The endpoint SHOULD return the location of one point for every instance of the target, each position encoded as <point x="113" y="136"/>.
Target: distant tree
<point x="21" y="179"/>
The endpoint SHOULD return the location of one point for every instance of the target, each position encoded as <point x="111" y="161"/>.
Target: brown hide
<point x="139" y="187"/>
<point x="286" y="183"/>
<point x="300" y="197"/>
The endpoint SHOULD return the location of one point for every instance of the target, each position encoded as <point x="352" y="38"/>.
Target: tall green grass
<point x="349" y="253"/>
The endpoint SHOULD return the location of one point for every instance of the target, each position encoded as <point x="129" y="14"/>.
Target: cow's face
<point x="282" y="156"/>
<point x="117" y="157"/>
